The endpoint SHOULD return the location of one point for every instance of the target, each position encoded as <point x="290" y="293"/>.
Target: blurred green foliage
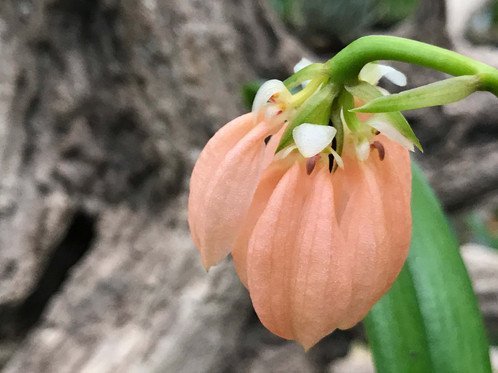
<point x="342" y="20"/>
<point x="249" y="91"/>
<point x="481" y="231"/>
<point x="483" y="26"/>
<point x="494" y="12"/>
<point x="393" y="11"/>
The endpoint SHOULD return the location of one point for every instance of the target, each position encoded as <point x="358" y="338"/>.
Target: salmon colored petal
<point x="269" y="268"/>
<point x="363" y="225"/>
<point x="322" y="288"/>
<point x="395" y="173"/>
<point x="272" y="174"/>
<point x="222" y="185"/>
<point x="268" y="181"/>
<point x="378" y="199"/>
<point x="298" y="270"/>
<point x="213" y="153"/>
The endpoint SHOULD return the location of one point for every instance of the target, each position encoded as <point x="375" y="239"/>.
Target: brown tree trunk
<point x="104" y="106"/>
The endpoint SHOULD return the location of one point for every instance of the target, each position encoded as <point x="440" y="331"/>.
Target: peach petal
<point x="268" y="181"/>
<point x="298" y="270"/>
<point x="363" y="225"/>
<point x="377" y="198"/>
<point x="268" y="267"/>
<point x="214" y="151"/>
<point x="222" y="184"/>
<point x="395" y="171"/>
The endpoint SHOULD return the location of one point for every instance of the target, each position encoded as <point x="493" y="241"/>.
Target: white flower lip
<point x="266" y="91"/>
<point x="373" y="72"/>
<point x="311" y="139"/>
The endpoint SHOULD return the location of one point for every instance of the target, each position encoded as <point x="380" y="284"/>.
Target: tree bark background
<point x="108" y="103"/>
<point x="104" y="106"/>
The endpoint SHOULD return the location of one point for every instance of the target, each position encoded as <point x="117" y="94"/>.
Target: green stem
<point x="345" y="66"/>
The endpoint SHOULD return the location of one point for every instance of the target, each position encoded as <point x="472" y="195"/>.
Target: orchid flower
<point x="292" y="225"/>
<point x="310" y="192"/>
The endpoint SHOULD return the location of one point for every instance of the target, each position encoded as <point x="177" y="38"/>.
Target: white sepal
<point x="393" y="75"/>
<point x="373" y="72"/>
<point x="267" y="90"/>
<point x="311" y="139"/>
<point x="383" y="125"/>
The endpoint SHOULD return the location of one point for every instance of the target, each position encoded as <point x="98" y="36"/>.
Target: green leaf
<point x="429" y="321"/>
<point x="395" y="330"/>
<point x="368" y="92"/>
<point x="438" y="93"/>
<point x="315" y="110"/>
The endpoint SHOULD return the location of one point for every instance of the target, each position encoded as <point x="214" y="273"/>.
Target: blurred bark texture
<point x="104" y="106"/>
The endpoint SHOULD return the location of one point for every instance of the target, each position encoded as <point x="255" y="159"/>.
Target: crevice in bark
<point x="18" y="319"/>
<point x="70" y="250"/>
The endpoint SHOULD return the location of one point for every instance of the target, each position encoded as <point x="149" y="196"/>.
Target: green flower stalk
<point x="347" y="84"/>
<point x="347" y="64"/>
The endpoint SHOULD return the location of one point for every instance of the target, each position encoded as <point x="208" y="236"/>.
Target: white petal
<point x="363" y="150"/>
<point x="382" y="124"/>
<point x="311" y="139"/>
<point x="302" y="64"/>
<point x="393" y="75"/>
<point x="372" y="72"/>
<point x="266" y="91"/>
